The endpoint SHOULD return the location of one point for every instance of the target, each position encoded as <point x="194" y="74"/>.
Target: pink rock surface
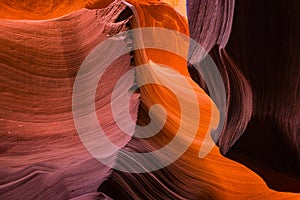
<point x="41" y="154"/>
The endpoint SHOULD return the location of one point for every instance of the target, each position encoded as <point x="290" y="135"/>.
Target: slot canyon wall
<point x="54" y="84"/>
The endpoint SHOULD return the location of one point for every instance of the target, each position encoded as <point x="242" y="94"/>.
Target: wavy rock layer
<point x="260" y="67"/>
<point x="41" y="154"/>
<point x="271" y="36"/>
<point x="45" y="9"/>
<point x="190" y="177"/>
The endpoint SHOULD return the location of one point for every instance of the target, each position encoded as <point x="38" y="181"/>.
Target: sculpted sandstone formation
<point x="43" y="45"/>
